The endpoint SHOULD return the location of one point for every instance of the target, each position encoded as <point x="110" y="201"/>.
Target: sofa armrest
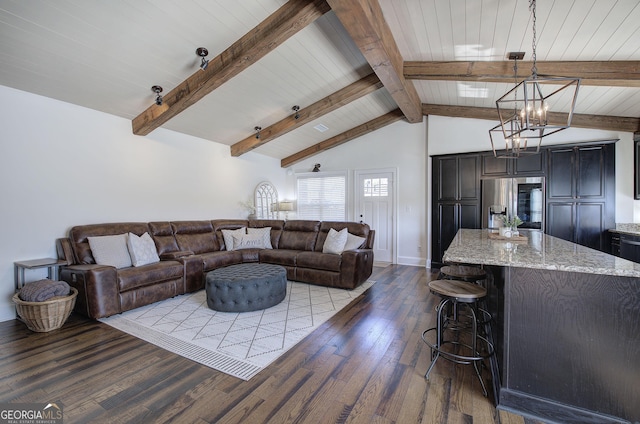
<point x="193" y="273"/>
<point x="356" y="267"/>
<point x="64" y="250"/>
<point x="170" y="256"/>
<point x="97" y="285"/>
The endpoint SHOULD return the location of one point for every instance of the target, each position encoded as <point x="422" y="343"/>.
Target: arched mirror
<point x="266" y="201"/>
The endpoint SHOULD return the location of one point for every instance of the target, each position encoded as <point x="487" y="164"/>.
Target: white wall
<point x="401" y="146"/>
<point x="63" y="165"/>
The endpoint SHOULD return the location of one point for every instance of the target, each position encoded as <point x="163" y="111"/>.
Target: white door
<point x="375" y="206"/>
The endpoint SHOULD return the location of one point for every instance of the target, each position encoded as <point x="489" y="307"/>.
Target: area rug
<point x="238" y="344"/>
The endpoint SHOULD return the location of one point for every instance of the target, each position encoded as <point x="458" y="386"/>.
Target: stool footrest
<point x="457" y="357"/>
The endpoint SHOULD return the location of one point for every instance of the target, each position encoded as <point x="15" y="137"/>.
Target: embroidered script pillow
<point x="248" y="241"/>
<point x="265" y="233"/>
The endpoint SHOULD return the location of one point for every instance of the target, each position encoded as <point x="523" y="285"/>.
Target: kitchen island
<point x="566" y="327"/>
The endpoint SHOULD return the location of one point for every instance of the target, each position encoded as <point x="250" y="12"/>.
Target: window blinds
<point x="322" y="197"/>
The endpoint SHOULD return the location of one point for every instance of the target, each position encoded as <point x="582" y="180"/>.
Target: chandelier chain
<point x="532" y="8"/>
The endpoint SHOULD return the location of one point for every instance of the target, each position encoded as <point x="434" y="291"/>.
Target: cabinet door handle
<point x="633" y="243"/>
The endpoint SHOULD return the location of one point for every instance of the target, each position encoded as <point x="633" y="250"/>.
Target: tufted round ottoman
<point x="246" y="287"/>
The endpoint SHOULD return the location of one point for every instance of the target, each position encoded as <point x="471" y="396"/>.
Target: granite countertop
<point x="540" y="251"/>
<point x="632" y="229"/>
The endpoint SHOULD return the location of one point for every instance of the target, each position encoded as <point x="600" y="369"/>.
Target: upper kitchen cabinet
<point x="456" y="199"/>
<point x="527" y="165"/>
<point x="581" y="193"/>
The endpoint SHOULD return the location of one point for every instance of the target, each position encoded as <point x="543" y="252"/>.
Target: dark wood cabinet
<point x="495" y="167"/>
<point x="630" y="247"/>
<point x="456" y="199"/>
<point x="581" y="193"/>
<point x="626" y="246"/>
<point x="525" y="165"/>
<point x="533" y="165"/>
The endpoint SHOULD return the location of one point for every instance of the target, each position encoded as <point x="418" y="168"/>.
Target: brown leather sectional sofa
<point x="190" y="249"/>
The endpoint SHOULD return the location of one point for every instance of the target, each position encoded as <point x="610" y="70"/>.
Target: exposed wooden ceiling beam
<point x="614" y="73"/>
<point x="353" y="91"/>
<point x="364" y="21"/>
<point x="265" y="37"/>
<point x="603" y="122"/>
<point x="339" y="139"/>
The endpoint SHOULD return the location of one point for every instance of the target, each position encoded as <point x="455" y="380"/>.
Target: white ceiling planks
<point x="106" y="55"/>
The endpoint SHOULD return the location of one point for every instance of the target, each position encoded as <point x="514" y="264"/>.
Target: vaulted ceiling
<point x="352" y="66"/>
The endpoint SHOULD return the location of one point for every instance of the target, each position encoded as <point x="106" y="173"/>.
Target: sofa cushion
<point x="213" y="260"/>
<point x="142" y="249"/>
<point x="335" y="241"/>
<point x="162" y="234"/>
<point x="317" y="260"/>
<point x="148" y="275"/>
<point x="299" y="235"/>
<point x="111" y="250"/>
<point x="196" y="236"/>
<point x="282" y="257"/>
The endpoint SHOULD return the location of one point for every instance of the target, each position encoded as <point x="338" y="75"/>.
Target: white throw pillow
<point x="110" y="250"/>
<point x="335" y="241"/>
<point x="227" y="235"/>
<point x="353" y="242"/>
<point x="142" y="249"/>
<point x="265" y="233"/>
<point x="248" y="241"/>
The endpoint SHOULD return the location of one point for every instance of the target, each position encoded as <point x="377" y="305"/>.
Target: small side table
<point x="51" y="264"/>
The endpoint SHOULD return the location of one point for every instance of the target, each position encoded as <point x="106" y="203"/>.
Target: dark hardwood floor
<point x="365" y="365"/>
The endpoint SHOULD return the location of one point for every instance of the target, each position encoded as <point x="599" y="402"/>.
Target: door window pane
<point x="376" y="187"/>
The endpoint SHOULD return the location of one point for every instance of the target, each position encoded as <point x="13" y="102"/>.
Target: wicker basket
<point x="48" y="315"/>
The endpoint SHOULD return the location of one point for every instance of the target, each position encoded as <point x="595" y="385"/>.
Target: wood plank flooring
<point x="365" y="365"/>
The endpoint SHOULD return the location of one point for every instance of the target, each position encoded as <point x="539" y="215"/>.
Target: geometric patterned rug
<point x="238" y="344"/>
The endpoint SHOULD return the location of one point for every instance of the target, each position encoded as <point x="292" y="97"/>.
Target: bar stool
<point x="468" y="273"/>
<point x="463" y="296"/>
<point x="471" y="274"/>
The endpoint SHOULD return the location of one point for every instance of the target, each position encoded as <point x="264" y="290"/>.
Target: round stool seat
<point x="463" y="272"/>
<point x="246" y="287"/>
<point x="461" y="291"/>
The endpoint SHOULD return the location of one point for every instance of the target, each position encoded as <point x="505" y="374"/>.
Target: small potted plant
<point x="510" y="225"/>
<point x="250" y="207"/>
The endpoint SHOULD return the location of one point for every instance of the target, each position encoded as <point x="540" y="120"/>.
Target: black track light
<point x="157" y="89"/>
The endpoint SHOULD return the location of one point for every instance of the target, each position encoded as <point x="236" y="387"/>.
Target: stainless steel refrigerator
<point x="513" y="196"/>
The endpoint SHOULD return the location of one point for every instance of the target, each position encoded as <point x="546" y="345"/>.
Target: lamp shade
<point x="286" y="206"/>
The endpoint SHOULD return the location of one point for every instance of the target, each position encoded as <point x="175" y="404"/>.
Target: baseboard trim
<point x="413" y="261"/>
<point x="551" y="412"/>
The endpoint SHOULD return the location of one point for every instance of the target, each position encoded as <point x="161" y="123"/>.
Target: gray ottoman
<point x="246" y="287"/>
